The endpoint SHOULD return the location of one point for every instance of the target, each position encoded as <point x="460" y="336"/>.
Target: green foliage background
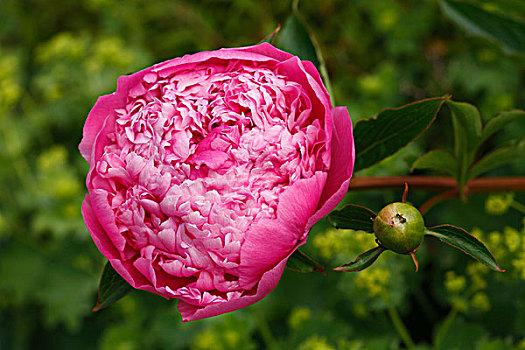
<point x="58" y="56"/>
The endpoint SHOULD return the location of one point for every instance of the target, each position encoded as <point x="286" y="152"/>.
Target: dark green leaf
<point x="362" y="261"/>
<point x="465" y="242"/>
<point x="353" y="217"/>
<point x="271" y="37"/>
<point x="437" y="160"/>
<point x="498" y="158"/>
<point x="510" y="34"/>
<point x="499" y="121"/>
<point x="467" y="126"/>
<point x="301" y="262"/>
<point x="112" y="287"/>
<point x="392" y="129"/>
<point x="466" y="121"/>
<point x="296" y="38"/>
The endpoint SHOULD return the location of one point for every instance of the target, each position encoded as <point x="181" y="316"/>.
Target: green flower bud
<point x="399" y="227"/>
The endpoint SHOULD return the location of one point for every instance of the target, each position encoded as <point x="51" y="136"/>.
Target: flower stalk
<point x="400" y="328"/>
<point x="437" y="183"/>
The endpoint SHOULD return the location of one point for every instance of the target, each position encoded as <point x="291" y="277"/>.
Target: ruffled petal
<point x="270" y="241"/>
<point x="267" y="283"/>
<point x="104" y="106"/>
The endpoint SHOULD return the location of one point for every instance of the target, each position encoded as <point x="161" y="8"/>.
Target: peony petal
<point x="182" y="63"/>
<point x="342" y="164"/>
<point x="100" y="237"/>
<point x="269" y="241"/>
<point x="132" y="275"/>
<point x="213" y="159"/>
<point x="312" y="71"/>
<point x="265" y="49"/>
<point x="106" y="218"/>
<point x="145" y="267"/>
<point x="267" y="283"/>
<point x="104" y="106"/>
<point x="293" y="67"/>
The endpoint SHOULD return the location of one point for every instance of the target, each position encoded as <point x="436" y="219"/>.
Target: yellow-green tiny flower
<point x="459" y="303"/>
<point x="53" y="158"/>
<point x="316" y="343"/>
<point x="207" y="340"/>
<point x="298" y="317"/>
<point x="480" y="301"/>
<point x="476" y="269"/>
<point x="476" y="272"/>
<point x="512" y="238"/>
<point x="478" y="282"/>
<point x="494" y="239"/>
<point x="519" y="265"/>
<point x="333" y="242"/>
<point x="66" y="186"/>
<point x="370" y="83"/>
<point x="232" y="338"/>
<point x="453" y="283"/>
<point x="374" y="281"/>
<point x="498" y="204"/>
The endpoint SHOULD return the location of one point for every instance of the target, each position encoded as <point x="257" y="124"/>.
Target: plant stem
<point x="435" y="183"/>
<point x="442" y="333"/>
<point x="437" y="198"/>
<point x="264" y="330"/>
<point x="428" y="309"/>
<point x="400" y="328"/>
<point x="518" y="206"/>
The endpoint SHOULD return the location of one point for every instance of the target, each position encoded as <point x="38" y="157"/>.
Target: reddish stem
<point x="447" y="185"/>
<point x="414" y="259"/>
<point x="438" y="198"/>
<point x="405" y="192"/>
<point x="433" y="183"/>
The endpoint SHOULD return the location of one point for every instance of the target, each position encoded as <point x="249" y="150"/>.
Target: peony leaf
<point x="300" y="262"/>
<point x="362" y="261"/>
<point x="467" y="126"/>
<point x="392" y="129"/>
<point x="296" y="38"/>
<point x="466" y="121"/>
<point x="437" y="160"/>
<point x="498" y="158"/>
<point x="270" y="38"/>
<point x="499" y="121"/>
<point x="464" y="241"/>
<point x="112" y="287"/>
<point x="505" y="31"/>
<point x="353" y="217"/>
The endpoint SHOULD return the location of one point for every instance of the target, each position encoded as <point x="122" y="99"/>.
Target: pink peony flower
<point x="207" y="172"/>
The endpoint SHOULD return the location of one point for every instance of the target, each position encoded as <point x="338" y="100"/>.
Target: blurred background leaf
<point x="58" y="56"/>
<point x="486" y="22"/>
